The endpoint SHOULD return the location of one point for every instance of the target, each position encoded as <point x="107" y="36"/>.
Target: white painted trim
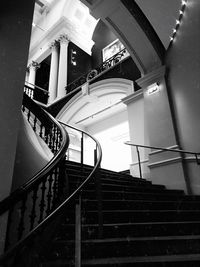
<point x="164" y="162"/>
<point x="151" y="77"/>
<point x="133" y="97"/>
<point x="108" y="86"/>
<point x="142" y="162"/>
<point x="162" y="151"/>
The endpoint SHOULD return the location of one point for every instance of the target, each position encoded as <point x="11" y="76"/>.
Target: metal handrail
<point x="196" y="154"/>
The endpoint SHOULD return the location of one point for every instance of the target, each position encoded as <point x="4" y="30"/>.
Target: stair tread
<point x="129" y="239"/>
<point x="140" y="223"/>
<point x="160" y="258"/>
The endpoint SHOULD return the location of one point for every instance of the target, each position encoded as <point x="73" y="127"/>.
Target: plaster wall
<point x="15" y="21"/>
<point x="184" y="81"/>
<point x="32" y="154"/>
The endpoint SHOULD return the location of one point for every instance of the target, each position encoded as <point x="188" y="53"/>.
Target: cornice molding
<point x="152" y="77"/>
<point x="133" y="97"/>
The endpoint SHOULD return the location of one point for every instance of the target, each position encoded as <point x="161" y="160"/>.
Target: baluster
<point x="21" y="226"/>
<point x="42" y="202"/>
<point x="46" y="139"/>
<point x="34" y="124"/>
<point x="41" y="131"/>
<point x="29" y="115"/>
<point x="31" y="93"/>
<point x="23" y="108"/>
<point x="53" y="139"/>
<point x="56" y="139"/>
<point x="9" y="222"/>
<point x="49" y="194"/>
<point x="33" y="211"/>
<point x="59" y="139"/>
<point x="55" y="188"/>
<point x="50" y="140"/>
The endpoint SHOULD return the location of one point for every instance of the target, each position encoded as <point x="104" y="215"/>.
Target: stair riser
<point x="134" y="205"/>
<point x="132" y="196"/>
<point x="141" y="216"/>
<point x="129" y="248"/>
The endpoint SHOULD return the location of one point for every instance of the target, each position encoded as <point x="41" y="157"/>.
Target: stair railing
<point x="31" y="90"/>
<point x="137" y="146"/>
<point x="94" y="73"/>
<point x="28" y="207"/>
<point x="78" y="192"/>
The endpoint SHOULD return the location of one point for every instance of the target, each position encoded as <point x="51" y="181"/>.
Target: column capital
<point x="64" y="39"/>
<point x="53" y="45"/>
<point x="34" y="65"/>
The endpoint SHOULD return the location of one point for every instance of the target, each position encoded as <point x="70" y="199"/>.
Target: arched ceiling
<point x="143" y="26"/>
<point x="162" y="15"/>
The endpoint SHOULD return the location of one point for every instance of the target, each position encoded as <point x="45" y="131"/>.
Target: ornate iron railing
<point x="92" y="74"/>
<point x="27" y="207"/>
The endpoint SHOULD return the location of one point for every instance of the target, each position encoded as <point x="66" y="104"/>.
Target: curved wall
<point x="32" y="155"/>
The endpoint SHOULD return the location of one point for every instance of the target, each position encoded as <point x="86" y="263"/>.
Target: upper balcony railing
<point x="36" y="92"/>
<point x="101" y="69"/>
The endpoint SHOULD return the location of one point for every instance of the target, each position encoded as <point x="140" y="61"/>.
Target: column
<point x="165" y="167"/>
<point x="32" y="73"/>
<point x="63" y="60"/>
<point x="53" y="77"/>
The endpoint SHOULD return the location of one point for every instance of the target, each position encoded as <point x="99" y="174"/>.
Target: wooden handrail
<point x="58" y="141"/>
<point x="18" y="194"/>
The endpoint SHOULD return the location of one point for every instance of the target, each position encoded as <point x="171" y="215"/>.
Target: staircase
<point x="143" y="224"/>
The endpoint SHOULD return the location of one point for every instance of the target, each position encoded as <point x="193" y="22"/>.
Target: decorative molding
<point x="160" y="150"/>
<point x="142" y="162"/>
<point x="152" y="77"/>
<point x="133" y="97"/>
<point x="53" y="45"/>
<point x="165" y="162"/>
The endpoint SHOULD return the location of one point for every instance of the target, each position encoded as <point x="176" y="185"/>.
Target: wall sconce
<point x="153" y="88"/>
<point x="73" y="57"/>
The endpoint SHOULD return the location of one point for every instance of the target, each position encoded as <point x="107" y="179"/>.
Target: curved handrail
<point x="47" y="178"/>
<point x="57" y="211"/>
<point x="97" y="165"/>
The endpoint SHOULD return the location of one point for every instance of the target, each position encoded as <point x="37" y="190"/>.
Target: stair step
<point x="165" y="195"/>
<point x="119" y="216"/>
<point x="90" y="231"/>
<point x="190" y="260"/>
<point x="126" y="247"/>
<point x="141" y="204"/>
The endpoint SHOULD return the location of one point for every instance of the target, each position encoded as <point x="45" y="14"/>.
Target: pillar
<point x="63" y="61"/>
<point x="53" y="77"/>
<point x="165" y="167"/>
<point x="33" y="66"/>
